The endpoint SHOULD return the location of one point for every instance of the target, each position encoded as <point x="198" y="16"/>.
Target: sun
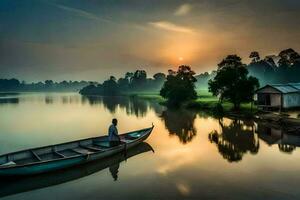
<point x="180" y="58"/>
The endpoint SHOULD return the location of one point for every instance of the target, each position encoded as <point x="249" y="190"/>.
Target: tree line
<point x="131" y="82"/>
<point x="233" y="80"/>
<point x="281" y="68"/>
<point x="14" y="85"/>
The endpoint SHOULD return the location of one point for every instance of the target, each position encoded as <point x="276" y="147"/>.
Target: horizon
<point x="80" y="40"/>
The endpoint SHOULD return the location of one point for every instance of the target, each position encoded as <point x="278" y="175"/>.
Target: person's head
<point x="115" y="121"/>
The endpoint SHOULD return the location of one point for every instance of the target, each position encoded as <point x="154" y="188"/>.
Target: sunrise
<point x="149" y="99"/>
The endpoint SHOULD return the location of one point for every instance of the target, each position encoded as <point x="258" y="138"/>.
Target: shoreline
<point x="207" y="103"/>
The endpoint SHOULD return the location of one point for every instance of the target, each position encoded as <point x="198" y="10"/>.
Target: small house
<point x="279" y="96"/>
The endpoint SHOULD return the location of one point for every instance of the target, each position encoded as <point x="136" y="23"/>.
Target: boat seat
<point x="68" y="153"/>
<point x="49" y="156"/>
<point x="59" y="154"/>
<point x="35" y="155"/>
<point x="102" y="144"/>
<point x="91" y="148"/>
<point x="31" y="159"/>
<point x="82" y="150"/>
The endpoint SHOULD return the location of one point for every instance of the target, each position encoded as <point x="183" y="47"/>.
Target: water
<point x="195" y="155"/>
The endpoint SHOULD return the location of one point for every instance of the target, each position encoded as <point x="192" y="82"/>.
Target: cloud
<point x="183" y="9"/>
<point x="171" y="27"/>
<point x="81" y="13"/>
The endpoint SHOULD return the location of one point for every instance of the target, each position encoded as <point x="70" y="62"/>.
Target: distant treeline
<point x="281" y="68"/>
<point x="132" y="82"/>
<point x="272" y="69"/>
<point x="14" y="85"/>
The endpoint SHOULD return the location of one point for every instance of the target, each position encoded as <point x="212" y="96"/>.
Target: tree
<point x="129" y="76"/>
<point x="255" y="56"/>
<point x="179" y="86"/>
<point x="232" y="82"/>
<point x="270" y="61"/>
<point x="123" y="83"/>
<point x="288" y="57"/>
<point x="49" y="83"/>
<point x="139" y="79"/>
<point x="110" y="86"/>
<point x="159" y="77"/>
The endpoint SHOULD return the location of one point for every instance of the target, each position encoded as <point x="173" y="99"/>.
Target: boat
<point x="14" y="185"/>
<point x="64" y="155"/>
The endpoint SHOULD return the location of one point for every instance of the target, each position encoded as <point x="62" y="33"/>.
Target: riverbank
<point x="205" y="102"/>
<point x="210" y="104"/>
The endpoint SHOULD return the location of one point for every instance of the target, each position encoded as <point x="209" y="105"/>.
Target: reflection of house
<point x="268" y="134"/>
<point x="272" y="136"/>
<point x="279" y="96"/>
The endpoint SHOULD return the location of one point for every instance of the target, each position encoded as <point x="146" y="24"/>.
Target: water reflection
<point x="14" y="186"/>
<point x="179" y="169"/>
<point x="133" y="106"/>
<point x="5" y="94"/>
<point x="180" y="123"/>
<point x="49" y="99"/>
<point x="114" y="170"/>
<point x="276" y="136"/>
<point x="9" y="100"/>
<point x="235" y="140"/>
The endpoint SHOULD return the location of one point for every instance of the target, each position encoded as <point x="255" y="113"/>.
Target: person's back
<point x="113" y="136"/>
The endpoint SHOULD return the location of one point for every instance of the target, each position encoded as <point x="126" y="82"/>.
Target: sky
<point x="93" y="39"/>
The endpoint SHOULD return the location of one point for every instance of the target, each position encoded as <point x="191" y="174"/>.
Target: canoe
<point x="15" y="185"/>
<point x="60" y="156"/>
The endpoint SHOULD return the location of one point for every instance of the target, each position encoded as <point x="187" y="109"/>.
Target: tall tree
<point x="232" y="82"/>
<point x="179" y="86"/>
<point x="110" y="86"/>
<point x="139" y="79"/>
<point x="254" y="55"/>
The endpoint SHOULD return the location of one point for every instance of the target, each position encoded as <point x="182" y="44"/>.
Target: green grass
<point x="205" y="101"/>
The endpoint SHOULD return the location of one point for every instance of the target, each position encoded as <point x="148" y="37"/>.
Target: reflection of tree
<point x="111" y="103"/>
<point x="49" y="99"/>
<point x="92" y="100"/>
<point x="235" y="140"/>
<point x="180" y="123"/>
<point x="9" y="100"/>
<point x="133" y="106"/>
<point x="285" y="148"/>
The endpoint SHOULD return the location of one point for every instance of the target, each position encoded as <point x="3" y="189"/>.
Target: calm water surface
<point x="195" y="155"/>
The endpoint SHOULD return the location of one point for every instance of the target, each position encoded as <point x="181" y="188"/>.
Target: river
<point x="189" y="155"/>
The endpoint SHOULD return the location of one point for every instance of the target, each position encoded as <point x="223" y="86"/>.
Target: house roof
<point x="285" y="88"/>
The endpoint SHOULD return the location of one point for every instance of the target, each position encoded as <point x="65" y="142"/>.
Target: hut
<point x="279" y="96"/>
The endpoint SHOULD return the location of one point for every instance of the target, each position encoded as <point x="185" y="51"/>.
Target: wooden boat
<point x="60" y="156"/>
<point x="15" y="185"/>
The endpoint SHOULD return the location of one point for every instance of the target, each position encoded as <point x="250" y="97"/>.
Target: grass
<point x="205" y="101"/>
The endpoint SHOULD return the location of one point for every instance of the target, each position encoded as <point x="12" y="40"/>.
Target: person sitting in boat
<point x="113" y="136"/>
